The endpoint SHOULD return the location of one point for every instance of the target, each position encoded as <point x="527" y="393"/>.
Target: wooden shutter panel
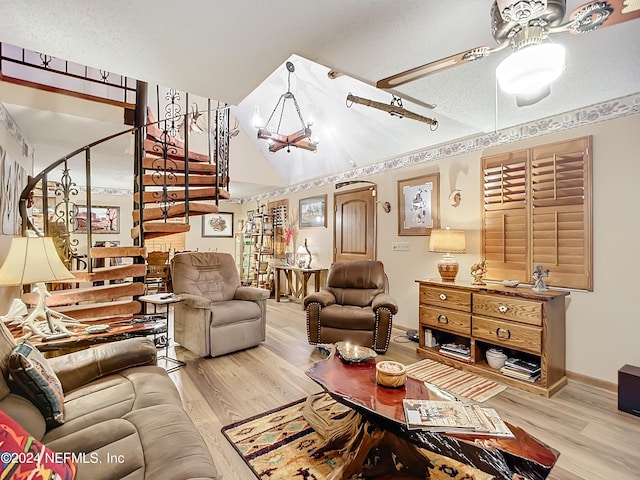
<point x="561" y="217"/>
<point x="505" y="180"/>
<point x="505" y="244"/>
<point x="505" y="233"/>
<point x="558" y="174"/>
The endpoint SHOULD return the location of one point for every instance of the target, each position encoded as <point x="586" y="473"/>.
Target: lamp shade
<point x="531" y="68"/>
<point x="447" y="241"/>
<point x="32" y="260"/>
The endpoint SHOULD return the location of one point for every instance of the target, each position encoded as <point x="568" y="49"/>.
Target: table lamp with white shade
<point x="447" y="241"/>
<point x="33" y="259"/>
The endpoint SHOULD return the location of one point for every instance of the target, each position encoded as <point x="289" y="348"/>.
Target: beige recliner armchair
<point x="353" y="306"/>
<point x="218" y="315"/>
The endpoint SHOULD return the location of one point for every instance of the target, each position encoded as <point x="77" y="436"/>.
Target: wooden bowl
<point x="391" y="374"/>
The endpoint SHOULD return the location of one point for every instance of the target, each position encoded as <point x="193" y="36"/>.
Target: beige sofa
<point x="217" y="314"/>
<point x="117" y="405"/>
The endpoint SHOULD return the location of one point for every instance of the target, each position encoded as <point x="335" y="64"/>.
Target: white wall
<point x="603" y="326"/>
<point x="14" y="152"/>
<point x="195" y="240"/>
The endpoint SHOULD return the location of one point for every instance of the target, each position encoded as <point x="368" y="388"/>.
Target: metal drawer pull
<point x="443" y="296"/>
<point x="440" y="317"/>
<point x="508" y="335"/>
<point x="503" y="308"/>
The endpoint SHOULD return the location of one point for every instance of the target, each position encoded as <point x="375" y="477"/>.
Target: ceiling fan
<point x="524" y="25"/>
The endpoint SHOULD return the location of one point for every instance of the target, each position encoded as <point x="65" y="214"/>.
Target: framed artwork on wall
<point x="103" y="219"/>
<point x="419" y="207"/>
<point x="313" y="212"/>
<point x="217" y="224"/>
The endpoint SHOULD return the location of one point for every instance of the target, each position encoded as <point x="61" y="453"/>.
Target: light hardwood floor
<point x="595" y="440"/>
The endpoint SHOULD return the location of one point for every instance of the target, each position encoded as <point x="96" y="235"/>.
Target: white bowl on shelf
<point x="496" y="358"/>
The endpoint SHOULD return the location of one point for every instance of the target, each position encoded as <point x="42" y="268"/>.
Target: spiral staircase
<point x="172" y="184"/>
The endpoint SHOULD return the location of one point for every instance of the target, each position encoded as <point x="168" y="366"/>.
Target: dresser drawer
<point x="443" y="297"/>
<point x="517" y="336"/>
<point x="508" y="308"/>
<point x="445" y="319"/>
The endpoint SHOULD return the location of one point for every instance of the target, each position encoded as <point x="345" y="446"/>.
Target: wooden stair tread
<point x="118" y="252"/>
<point x="207" y="193"/>
<point x="87" y="294"/>
<point x="176" y="211"/>
<point x="156" y="229"/>
<point x="154" y="147"/>
<point x="157" y="163"/>
<point x="108" y="273"/>
<point x="101" y="310"/>
<point x="178" y="179"/>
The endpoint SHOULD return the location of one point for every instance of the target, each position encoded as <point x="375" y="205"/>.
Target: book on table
<point x="453" y="417"/>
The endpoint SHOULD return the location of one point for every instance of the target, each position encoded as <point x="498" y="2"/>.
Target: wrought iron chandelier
<point x="271" y="132"/>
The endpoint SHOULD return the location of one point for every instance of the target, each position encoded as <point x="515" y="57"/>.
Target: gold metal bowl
<point x="352" y="353"/>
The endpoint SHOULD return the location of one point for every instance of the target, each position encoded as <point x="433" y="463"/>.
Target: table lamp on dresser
<point x="447" y="241"/>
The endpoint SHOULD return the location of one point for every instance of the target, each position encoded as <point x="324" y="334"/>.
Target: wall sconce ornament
<point x="455" y="197"/>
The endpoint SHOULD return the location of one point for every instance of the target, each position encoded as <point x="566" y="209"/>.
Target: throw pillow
<point x="25" y="457"/>
<point x="30" y="370"/>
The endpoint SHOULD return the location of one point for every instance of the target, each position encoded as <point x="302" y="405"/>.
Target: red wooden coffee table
<point x="354" y="385"/>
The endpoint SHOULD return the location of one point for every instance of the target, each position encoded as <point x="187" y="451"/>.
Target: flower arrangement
<point x="288" y="235"/>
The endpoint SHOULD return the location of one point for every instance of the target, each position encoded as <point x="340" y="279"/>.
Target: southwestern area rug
<point x="277" y="445"/>
<point x="452" y="380"/>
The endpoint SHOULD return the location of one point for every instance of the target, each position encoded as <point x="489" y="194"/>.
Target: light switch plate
<point x="400" y="246"/>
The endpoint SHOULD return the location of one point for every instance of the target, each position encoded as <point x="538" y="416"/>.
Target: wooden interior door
<point x="355" y="225"/>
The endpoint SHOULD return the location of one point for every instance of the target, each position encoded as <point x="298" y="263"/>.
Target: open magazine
<point x="454" y="417"/>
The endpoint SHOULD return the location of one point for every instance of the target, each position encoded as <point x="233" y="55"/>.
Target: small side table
<point x="298" y="292"/>
<point x="166" y="299"/>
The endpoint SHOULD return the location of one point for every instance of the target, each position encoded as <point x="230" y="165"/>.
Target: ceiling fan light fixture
<point x="531" y="68"/>
<point x="520" y="11"/>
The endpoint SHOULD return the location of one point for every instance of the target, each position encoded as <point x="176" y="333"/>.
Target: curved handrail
<point x="169" y="142"/>
<point x="26" y="192"/>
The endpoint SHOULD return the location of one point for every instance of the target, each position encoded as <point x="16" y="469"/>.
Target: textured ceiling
<point x="234" y="51"/>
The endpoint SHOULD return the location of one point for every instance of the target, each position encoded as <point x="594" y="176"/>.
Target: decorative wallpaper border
<point x="7" y="121"/>
<point x="601" y="112"/>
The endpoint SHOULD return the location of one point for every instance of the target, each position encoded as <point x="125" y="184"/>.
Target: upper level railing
<point x="43" y="71"/>
<point x="60" y="199"/>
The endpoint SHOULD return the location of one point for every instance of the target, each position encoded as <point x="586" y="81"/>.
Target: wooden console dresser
<point x="521" y="322"/>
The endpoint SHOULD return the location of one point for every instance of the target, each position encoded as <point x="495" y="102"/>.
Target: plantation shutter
<point x="537" y="210"/>
<point x="505" y="233"/>
<point x="561" y="212"/>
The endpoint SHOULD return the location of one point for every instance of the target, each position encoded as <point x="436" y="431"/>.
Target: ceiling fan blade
<point x="599" y="15"/>
<point x="433" y="67"/>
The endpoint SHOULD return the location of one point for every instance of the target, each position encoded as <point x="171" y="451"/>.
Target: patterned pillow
<point x="39" y="382"/>
<point x="25" y="457"/>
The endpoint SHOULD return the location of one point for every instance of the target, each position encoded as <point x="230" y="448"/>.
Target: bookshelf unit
<point x="520" y="321"/>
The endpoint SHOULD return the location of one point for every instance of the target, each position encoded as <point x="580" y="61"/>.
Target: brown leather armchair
<point x="354" y="306"/>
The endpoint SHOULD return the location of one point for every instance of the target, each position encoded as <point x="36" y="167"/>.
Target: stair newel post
<point x="217" y="154"/>
<point x="87" y="170"/>
<point x="45" y="205"/>
<point x="187" y="132"/>
<point x="140" y="134"/>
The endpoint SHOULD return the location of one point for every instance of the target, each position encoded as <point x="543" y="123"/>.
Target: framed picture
<point x="103" y="219"/>
<point x="313" y="212"/>
<point x="217" y="224"/>
<point x="419" y="208"/>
